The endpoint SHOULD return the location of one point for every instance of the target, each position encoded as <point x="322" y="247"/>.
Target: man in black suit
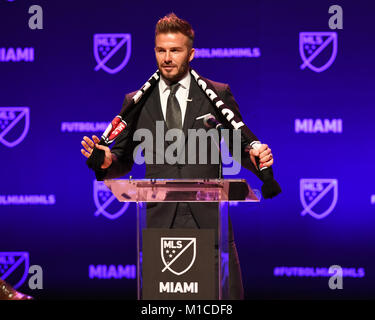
<point x="177" y="102"/>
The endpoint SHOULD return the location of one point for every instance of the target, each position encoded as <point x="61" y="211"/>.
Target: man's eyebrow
<point x="158" y="48"/>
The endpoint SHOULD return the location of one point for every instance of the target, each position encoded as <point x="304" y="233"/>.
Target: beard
<point x="181" y="72"/>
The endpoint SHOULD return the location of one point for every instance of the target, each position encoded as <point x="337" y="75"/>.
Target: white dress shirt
<point x="181" y="94"/>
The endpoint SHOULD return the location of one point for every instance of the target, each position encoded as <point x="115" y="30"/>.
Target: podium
<point x="183" y="264"/>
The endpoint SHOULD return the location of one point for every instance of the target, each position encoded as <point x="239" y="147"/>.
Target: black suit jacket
<point x="161" y="214"/>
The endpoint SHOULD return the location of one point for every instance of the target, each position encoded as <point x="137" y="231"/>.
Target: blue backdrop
<point x="303" y="88"/>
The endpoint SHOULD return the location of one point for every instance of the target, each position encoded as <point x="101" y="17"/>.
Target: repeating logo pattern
<point x="14" y="267"/>
<point x="313" y="191"/>
<point x="105" y="48"/>
<point x="14" y="125"/>
<point x="106" y="203"/>
<point x="174" y="250"/>
<point x="312" y="44"/>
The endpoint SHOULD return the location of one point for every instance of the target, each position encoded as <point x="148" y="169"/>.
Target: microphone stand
<point x="220" y="160"/>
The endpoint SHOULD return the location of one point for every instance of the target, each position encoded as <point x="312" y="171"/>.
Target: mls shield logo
<point x="14" y="267"/>
<point x="112" y="51"/>
<point x="318" y="196"/>
<point x="106" y="203"/>
<point x="14" y="125"/>
<point x="318" y="50"/>
<point x="178" y="254"/>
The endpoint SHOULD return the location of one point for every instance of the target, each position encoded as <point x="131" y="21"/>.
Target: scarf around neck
<point x="231" y="116"/>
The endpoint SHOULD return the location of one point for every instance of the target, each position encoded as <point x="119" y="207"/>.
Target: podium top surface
<point x="182" y="190"/>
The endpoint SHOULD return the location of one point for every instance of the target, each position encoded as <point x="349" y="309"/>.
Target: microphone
<point x="211" y="122"/>
<point x="270" y="187"/>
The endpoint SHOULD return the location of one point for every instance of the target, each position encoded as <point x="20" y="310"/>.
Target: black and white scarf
<point x="232" y="118"/>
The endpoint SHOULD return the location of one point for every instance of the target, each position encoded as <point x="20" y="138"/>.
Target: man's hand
<point x="264" y="154"/>
<point x="89" y="145"/>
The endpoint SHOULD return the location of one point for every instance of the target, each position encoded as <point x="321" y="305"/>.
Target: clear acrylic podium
<point x="221" y="191"/>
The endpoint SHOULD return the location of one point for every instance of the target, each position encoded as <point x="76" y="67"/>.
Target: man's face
<point x="173" y="55"/>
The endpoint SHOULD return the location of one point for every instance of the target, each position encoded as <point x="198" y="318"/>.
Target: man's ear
<point x="191" y="54"/>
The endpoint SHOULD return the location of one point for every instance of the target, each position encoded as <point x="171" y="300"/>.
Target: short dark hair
<point x="172" y="23"/>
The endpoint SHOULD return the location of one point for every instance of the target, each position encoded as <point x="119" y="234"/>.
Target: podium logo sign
<point x="178" y="264"/>
<point x="14" y="125"/>
<point x="313" y="44"/>
<point x="105" y="48"/>
<point x="106" y="203"/>
<point x="14" y="267"/>
<point x="313" y="192"/>
<point x="173" y="250"/>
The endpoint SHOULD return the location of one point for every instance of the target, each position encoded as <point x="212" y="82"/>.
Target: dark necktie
<point x="173" y="114"/>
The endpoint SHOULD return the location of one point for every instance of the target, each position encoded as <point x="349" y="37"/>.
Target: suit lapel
<point x="193" y="107"/>
<point x="153" y="109"/>
<point x="153" y="106"/>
